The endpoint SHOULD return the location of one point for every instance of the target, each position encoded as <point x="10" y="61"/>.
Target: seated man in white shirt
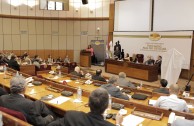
<point x="183" y="122"/>
<point x="172" y="101"/>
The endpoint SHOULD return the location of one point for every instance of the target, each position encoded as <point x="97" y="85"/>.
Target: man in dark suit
<point x="122" y="81"/>
<point x="163" y="88"/>
<point x="98" y="76"/>
<point x="77" y="72"/>
<point x="159" y="63"/>
<point x="35" y="112"/>
<point x="13" y="63"/>
<point x="2" y="91"/>
<point x="113" y="90"/>
<point x="98" y="103"/>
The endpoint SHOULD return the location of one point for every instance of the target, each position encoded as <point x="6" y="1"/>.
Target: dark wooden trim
<point x="54" y="18"/>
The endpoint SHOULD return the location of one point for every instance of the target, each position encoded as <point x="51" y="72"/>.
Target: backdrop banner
<point x="99" y="49"/>
<point x="156" y="43"/>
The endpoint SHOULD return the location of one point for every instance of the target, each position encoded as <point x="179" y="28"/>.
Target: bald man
<point x="77" y="72"/>
<point x="172" y="101"/>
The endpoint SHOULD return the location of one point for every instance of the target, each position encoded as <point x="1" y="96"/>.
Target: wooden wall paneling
<point x="41" y="53"/>
<point x="55" y="54"/>
<point x="22" y="52"/>
<point x="70" y="53"/>
<point x="62" y="53"/>
<point x="46" y="53"/>
<point x="32" y="53"/>
<point x="17" y="52"/>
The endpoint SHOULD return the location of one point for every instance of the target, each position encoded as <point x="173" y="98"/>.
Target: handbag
<point x="139" y="96"/>
<point x="117" y="106"/>
<point x="66" y="93"/>
<point x="37" y="83"/>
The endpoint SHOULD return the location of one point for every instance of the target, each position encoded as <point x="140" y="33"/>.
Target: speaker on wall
<point x="84" y="1"/>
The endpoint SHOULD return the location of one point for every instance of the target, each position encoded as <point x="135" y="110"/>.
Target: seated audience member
<point x="98" y="76"/>
<point x="172" y="101"/>
<point x="36" y="61"/>
<point x="134" y="58"/>
<point x="113" y="90"/>
<point x="24" y="55"/>
<point x="2" y="62"/>
<point x="127" y="57"/>
<point x="2" y="91"/>
<point x="27" y="59"/>
<point x="183" y="122"/>
<point x="77" y="72"/>
<point x="98" y="103"/>
<point x="67" y="60"/>
<point x="58" y="59"/>
<point x="149" y="61"/>
<point x="35" y="112"/>
<point x="50" y="59"/>
<point x="13" y="63"/>
<point x="163" y="88"/>
<point x="122" y="81"/>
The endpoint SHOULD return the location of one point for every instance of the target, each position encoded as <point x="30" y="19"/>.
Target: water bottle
<point x="59" y="73"/>
<point x="17" y="74"/>
<point x="1" y="119"/>
<point x="109" y="102"/>
<point x="141" y="84"/>
<point x="5" y="71"/>
<point x="79" y="94"/>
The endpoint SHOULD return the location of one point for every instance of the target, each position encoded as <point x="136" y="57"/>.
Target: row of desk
<point x="36" y="92"/>
<point x="138" y="71"/>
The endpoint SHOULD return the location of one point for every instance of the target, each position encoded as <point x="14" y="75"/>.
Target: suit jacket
<point x="114" y="91"/>
<point x="161" y="90"/>
<point x="76" y="118"/>
<point x="76" y="74"/>
<point x="99" y="78"/>
<point x="125" y="83"/>
<point x="18" y="103"/>
<point x="14" y="65"/>
<point x="2" y="91"/>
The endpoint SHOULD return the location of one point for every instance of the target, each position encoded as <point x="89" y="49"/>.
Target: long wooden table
<point x="139" y="71"/>
<point x="37" y="92"/>
<point x="81" y="83"/>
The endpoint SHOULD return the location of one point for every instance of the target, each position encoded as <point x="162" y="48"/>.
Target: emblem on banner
<point x="97" y="42"/>
<point x="155" y="36"/>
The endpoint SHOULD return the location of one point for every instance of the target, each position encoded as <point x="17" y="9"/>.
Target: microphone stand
<point x="188" y="86"/>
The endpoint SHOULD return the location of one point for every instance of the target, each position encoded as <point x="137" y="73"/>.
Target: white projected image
<point x="173" y="15"/>
<point x="132" y="15"/>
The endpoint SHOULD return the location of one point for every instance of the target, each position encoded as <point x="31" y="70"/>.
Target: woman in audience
<point x="50" y="59"/>
<point x="13" y="63"/>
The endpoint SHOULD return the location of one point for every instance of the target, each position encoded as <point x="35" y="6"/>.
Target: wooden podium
<point x="85" y="58"/>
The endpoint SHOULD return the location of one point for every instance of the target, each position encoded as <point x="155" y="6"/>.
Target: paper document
<point x="132" y="120"/>
<point x="190" y="106"/>
<point x="59" y="100"/>
<point x="152" y="102"/>
<point x="56" y="77"/>
<point x="61" y="81"/>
